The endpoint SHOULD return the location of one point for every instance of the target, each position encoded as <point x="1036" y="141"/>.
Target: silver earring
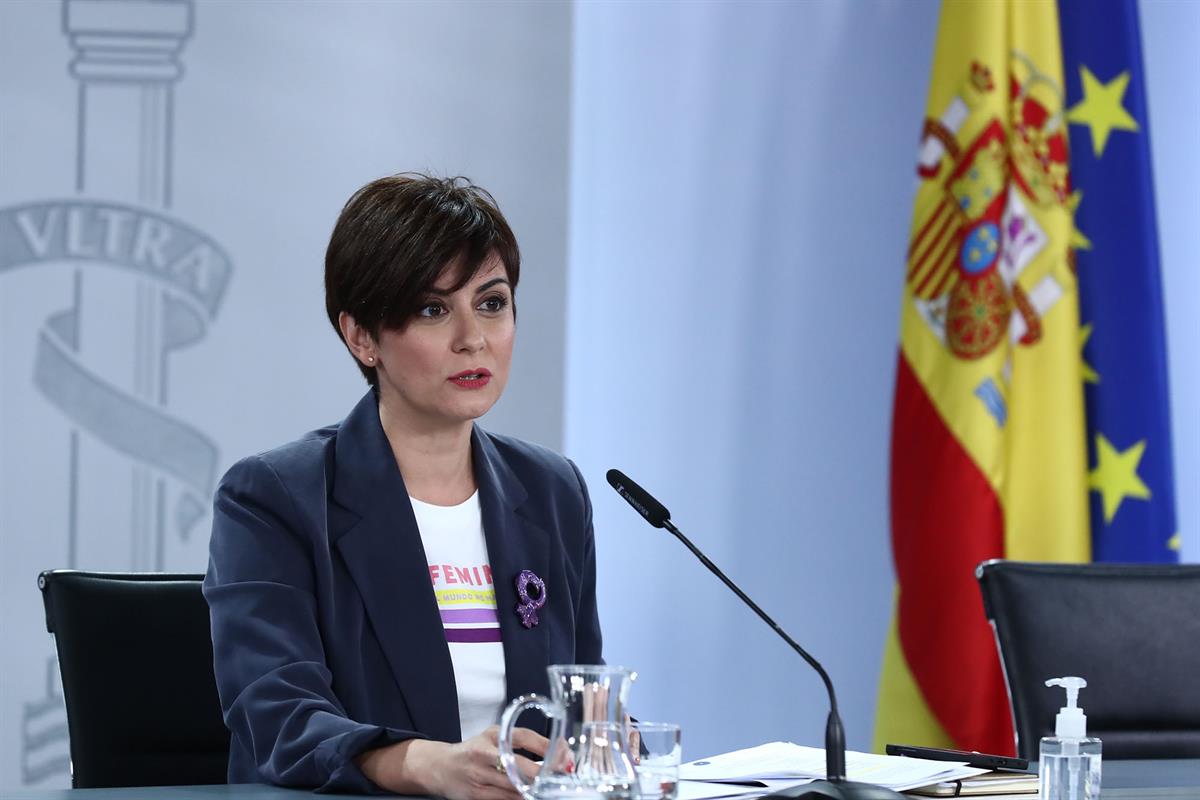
<point x="370" y="359"/>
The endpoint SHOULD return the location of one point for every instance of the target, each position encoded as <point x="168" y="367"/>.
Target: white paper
<point x="702" y="790"/>
<point x="784" y="760"/>
<point x="705" y="790"/>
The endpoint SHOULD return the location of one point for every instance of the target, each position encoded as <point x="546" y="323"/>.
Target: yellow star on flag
<point x="1115" y="475"/>
<point x="1078" y="240"/>
<point x="1101" y="109"/>
<point x="1089" y="375"/>
<point x="1175" y="543"/>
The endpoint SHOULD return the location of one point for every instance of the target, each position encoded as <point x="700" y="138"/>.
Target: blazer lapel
<point x="514" y="543"/>
<point x="374" y="529"/>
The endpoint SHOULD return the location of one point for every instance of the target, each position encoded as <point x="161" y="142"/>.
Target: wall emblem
<point x="145" y="286"/>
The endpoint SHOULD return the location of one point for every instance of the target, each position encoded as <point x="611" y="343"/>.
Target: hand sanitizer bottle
<point x="1070" y="761"/>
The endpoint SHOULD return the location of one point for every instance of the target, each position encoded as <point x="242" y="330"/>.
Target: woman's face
<point x="450" y="363"/>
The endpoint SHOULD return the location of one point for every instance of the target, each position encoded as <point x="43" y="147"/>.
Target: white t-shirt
<point x="462" y="581"/>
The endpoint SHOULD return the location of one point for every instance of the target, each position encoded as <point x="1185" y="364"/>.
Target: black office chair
<point x="1131" y="630"/>
<point x="137" y="669"/>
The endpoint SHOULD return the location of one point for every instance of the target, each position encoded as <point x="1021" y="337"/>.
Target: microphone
<point x="835" y="785"/>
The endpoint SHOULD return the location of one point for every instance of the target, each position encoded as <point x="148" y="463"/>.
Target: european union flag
<point x="1116" y="250"/>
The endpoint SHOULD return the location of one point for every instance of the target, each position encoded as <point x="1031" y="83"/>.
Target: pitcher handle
<point x="507" y="721"/>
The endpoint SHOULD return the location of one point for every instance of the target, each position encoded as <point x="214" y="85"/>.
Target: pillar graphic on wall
<point x="144" y="286"/>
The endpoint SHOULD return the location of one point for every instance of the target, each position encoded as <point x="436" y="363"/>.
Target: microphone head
<point x="641" y="500"/>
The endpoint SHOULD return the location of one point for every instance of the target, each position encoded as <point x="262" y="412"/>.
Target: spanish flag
<point x="989" y="456"/>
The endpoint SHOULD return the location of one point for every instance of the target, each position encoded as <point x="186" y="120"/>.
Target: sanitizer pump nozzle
<point x="1069" y="761"/>
<point x="1071" y="722"/>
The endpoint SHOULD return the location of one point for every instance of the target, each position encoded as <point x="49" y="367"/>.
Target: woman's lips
<point x="472" y="379"/>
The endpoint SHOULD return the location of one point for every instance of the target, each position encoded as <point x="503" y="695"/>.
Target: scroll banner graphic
<point x="192" y="270"/>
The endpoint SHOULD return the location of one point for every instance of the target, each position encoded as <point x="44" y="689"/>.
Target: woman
<point x="382" y="587"/>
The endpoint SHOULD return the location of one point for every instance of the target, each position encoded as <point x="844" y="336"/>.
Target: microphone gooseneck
<point x="836" y="785"/>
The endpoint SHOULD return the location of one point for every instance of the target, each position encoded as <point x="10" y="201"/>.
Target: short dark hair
<point x="397" y="235"/>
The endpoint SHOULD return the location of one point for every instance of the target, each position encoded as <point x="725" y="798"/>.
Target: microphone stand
<point x="835" y="786"/>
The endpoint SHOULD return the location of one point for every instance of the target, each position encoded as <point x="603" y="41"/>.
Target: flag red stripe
<point x="949" y="224"/>
<point x="935" y="242"/>
<point x="935" y="260"/>
<point x="948" y="253"/>
<point x="947" y="276"/>
<point x="937" y="214"/>
<point x="937" y="278"/>
<point x="945" y="520"/>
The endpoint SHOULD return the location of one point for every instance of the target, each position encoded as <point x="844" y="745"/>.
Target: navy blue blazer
<point x="327" y="639"/>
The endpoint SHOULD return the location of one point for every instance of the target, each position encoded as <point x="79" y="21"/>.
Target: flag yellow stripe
<point x="1045" y="491"/>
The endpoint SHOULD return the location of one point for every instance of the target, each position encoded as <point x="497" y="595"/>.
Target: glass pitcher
<point x="588" y="754"/>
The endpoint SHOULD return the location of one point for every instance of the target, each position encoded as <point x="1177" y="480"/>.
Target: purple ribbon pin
<point x="529" y="605"/>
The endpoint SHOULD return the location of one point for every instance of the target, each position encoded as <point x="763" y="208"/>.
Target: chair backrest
<point x="1131" y="630"/>
<point x="136" y="658"/>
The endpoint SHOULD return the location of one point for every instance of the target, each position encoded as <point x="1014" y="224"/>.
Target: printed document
<point x="778" y="764"/>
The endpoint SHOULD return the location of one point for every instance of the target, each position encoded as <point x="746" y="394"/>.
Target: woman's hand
<point x="635" y="741"/>
<point x="470" y="773"/>
<point x="463" y="771"/>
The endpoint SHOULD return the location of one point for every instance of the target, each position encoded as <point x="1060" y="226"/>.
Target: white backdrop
<point x="741" y="181"/>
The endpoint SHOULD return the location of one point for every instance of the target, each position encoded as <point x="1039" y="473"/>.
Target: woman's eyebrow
<point x="491" y="283"/>
<point x="436" y="292"/>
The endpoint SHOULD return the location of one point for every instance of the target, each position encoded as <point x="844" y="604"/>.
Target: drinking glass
<point x="657" y="765"/>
